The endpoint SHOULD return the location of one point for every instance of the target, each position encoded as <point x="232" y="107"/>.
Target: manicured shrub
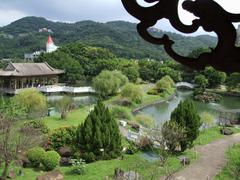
<point x="50" y="160"/>
<point x="35" y="156"/>
<point x="62" y="137"/>
<point x="37" y="124"/>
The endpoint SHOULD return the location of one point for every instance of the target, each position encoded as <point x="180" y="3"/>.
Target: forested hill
<point x="119" y="37"/>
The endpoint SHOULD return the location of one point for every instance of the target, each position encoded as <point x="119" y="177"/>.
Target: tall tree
<point x="186" y="116"/>
<point x="99" y="135"/>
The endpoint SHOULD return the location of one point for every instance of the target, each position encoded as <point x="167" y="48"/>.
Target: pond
<point x="79" y="100"/>
<point x="162" y="112"/>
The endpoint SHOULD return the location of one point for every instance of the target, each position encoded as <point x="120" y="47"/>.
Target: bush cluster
<point x="62" y="137"/>
<point x="50" y="160"/>
<point x="35" y="156"/>
<point x="38" y="155"/>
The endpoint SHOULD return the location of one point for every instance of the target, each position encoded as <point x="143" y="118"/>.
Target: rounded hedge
<point x="50" y="160"/>
<point x="35" y="156"/>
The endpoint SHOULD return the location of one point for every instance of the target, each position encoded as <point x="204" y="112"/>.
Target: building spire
<point x="50" y="41"/>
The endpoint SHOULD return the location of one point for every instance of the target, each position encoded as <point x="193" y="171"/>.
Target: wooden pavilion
<point x="26" y="75"/>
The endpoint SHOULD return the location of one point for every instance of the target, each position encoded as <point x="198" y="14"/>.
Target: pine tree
<point x="186" y="116"/>
<point x="99" y="134"/>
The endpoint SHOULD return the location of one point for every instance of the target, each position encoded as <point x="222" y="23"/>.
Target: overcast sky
<point x="77" y="10"/>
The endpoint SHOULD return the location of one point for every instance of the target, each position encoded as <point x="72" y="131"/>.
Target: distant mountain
<point x="120" y="37"/>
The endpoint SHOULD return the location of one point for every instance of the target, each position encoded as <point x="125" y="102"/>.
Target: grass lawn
<point x="99" y="170"/>
<point x="146" y="100"/>
<point x="212" y="134"/>
<point x="233" y="156"/>
<point x="74" y="118"/>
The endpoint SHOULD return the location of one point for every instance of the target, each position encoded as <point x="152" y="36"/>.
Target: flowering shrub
<point x="78" y="166"/>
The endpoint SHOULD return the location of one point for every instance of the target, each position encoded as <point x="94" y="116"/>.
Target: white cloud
<point x="8" y="16"/>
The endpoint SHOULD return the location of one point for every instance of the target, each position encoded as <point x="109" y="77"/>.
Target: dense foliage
<point x="215" y="78"/>
<point x="132" y="92"/>
<point x="201" y="81"/>
<point x="50" y="160"/>
<point x="120" y="37"/>
<point x="186" y="116"/>
<point x="120" y="112"/>
<point x="32" y="101"/>
<point x="99" y="137"/>
<point x="233" y="81"/>
<point x="172" y="135"/>
<point x="108" y="83"/>
<point x="65" y="136"/>
<point x="35" y="156"/>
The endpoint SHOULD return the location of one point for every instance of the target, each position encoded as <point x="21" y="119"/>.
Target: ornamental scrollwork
<point x="210" y="16"/>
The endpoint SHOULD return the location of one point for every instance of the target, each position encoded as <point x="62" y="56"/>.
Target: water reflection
<point x="162" y="112"/>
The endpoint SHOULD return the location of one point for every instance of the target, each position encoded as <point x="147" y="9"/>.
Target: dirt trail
<point x="212" y="160"/>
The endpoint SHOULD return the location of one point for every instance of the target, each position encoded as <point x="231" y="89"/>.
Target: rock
<point x="53" y="175"/>
<point x="65" y="161"/>
<point x="131" y="175"/>
<point x="11" y="175"/>
<point x="185" y="161"/>
<point x="226" y="131"/>
<point x="65" y="152"/>
<point x="25" y="162"/>
<point x="118" y="173"/>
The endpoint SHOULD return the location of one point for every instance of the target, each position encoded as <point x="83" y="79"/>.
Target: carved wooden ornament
<point x="210" y="16"/>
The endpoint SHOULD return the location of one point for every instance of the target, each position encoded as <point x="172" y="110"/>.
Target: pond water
<point x="79" y="100"/>
<point x="162" y="112"/>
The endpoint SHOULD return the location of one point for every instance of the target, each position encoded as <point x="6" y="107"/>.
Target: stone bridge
<point x="185" y="84"/>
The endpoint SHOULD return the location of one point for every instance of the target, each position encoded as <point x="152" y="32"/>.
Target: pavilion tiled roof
<point x="29" y="69"/>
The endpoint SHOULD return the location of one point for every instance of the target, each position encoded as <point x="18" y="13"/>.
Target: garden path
<point x="212" y="160"/>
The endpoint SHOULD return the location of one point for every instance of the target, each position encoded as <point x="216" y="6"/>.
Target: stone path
<point x="212" y="160"/>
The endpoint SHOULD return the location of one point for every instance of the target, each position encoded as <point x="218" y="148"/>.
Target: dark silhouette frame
<point x="210" y="16"/>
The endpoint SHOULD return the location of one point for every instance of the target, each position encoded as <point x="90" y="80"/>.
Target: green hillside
<point x="119" y="37"/>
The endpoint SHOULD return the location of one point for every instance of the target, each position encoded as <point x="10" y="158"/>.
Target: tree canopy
<point x="99" y="136"/>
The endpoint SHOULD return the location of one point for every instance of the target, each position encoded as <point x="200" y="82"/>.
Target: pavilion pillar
<point x="15" y="84"/>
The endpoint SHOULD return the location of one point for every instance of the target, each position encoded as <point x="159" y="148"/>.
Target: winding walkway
<point x="212" y="160"/>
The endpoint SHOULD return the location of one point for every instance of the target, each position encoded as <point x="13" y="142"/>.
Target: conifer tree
<point x="99" y="135"/>
<point x="186" y="116"/>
